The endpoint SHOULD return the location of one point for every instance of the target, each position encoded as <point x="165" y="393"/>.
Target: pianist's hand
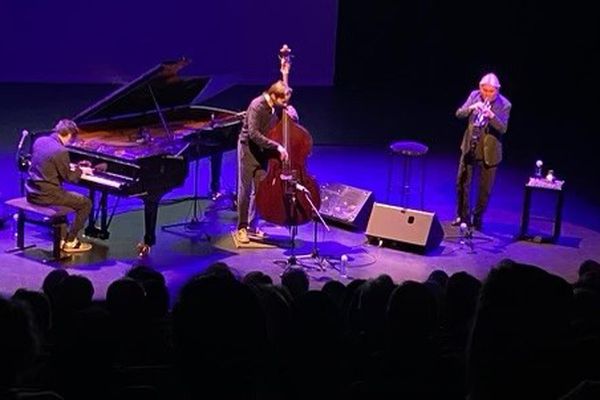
<point x="101" y="167"/>
<point x="84" y="163"/>
<point x="86" y="170"/>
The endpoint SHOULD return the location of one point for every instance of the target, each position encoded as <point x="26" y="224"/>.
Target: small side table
<point x="541" y="184"/>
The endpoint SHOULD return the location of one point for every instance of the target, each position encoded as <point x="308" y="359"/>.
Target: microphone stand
<point x="293" y="187"/>
<point x="291" y="261"/>
<point x="314" y="255"/>
<point x="22" y="161"/>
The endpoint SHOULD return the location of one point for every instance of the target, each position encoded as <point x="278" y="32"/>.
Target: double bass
<point x="285" y="194"/>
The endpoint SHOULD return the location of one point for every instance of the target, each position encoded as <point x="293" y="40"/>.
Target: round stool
<point x="407" y="151"/>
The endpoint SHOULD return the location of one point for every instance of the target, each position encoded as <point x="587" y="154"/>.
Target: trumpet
<point x="480" y="118"/>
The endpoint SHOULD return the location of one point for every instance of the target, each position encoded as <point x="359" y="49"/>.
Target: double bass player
<point x="254" y="150"/>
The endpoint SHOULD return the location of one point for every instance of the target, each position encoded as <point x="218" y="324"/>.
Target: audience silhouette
<point x="521" y="333"/>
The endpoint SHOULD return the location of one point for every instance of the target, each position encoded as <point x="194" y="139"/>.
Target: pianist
<point x="50" y="167"/>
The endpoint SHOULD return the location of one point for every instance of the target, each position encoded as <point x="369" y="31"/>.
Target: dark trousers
<point x="250" y="173"/>
<point x="487" y="175"/>
<point x="81" y="204"/>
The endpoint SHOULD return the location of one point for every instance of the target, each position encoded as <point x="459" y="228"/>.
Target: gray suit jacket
<point x="489" y="147"/>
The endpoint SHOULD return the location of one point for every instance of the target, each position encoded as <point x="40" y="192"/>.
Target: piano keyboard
<point x="103" y="181"/>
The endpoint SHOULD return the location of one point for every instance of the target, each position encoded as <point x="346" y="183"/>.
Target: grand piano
<point x="144" y="135"/>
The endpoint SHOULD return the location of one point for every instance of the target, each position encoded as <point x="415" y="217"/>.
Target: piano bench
<point x="53" y="217"/>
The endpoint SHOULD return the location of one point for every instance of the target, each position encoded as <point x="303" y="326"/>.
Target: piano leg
<point x="151" y="202"/>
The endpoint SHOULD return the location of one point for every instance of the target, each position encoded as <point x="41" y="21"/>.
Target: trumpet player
<point x="487" y="113"/>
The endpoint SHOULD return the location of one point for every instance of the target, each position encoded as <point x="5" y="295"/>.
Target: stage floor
<point x="180" y="253"/>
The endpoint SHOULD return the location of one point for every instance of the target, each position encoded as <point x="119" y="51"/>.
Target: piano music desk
<point x="53" y="217"/>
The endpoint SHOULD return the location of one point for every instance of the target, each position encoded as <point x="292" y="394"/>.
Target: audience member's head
<point x="39" y="305"/>
<point x="157" y="293"/>
<point x="75" y="292"/>
<point x="587" y="266"/>
<point x="350" y="309"/>
<point x="219" y="330"/>
<point x="277" y="312"/>
<point x="220" y="270"/>
<point x="316" y="319"/>
<point x="586" y="313"/>
<point x="336" y="292"/>
<point x="18" y="343"/>
<point x="518" y="346"/>
<point x="589" y="280"/>
<point x="462" y="292"/>
<point x="52" y="280"/>
<point x="412" y="313"/>
<point x="125" y="299"/>
<point x="296" y="281"/>
<point x="369" y="306"/>
<point x="257" y="278"/>
<point x="440" y="277"/>
<point x="316" y="345"/>
<point x="143" y="273"/>
<point x="87" y="353"/>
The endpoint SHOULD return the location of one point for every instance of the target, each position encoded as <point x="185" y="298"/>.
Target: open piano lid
<point x="162" y="81"/>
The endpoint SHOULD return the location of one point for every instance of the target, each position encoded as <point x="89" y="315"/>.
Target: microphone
<point x="302" y="188"/>
<point x="24" y="134"/>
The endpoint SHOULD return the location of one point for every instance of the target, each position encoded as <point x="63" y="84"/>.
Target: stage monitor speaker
<point x="346" y="206"/>
<point x="404" y="228"/>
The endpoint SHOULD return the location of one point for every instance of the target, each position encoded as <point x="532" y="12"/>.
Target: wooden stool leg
<point x="405" y="190"/>
<point x="390" y="172"/>
<point x="20" y="234"/>
<point x="56" y="237"/>
<point x="422" y="189"/>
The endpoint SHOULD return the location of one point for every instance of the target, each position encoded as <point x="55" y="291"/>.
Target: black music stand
<point x="196" y="223"/>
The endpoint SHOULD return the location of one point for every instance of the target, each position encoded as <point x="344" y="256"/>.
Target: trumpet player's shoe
<point x="457" y="221"/>
<point x="477" y="223"/>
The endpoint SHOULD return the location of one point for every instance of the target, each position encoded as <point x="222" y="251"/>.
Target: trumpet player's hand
<point x="477" y="106"/>
<point x="488" y="113"/>
<point x="283" y="154"/>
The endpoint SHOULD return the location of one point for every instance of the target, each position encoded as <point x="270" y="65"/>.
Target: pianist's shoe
<point x="76" y="246"/>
